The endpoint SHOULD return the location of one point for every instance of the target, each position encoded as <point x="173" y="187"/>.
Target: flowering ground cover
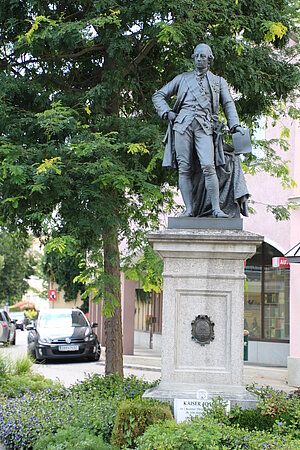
<point x="91" y="405"/>
<point x="86" y="415"/>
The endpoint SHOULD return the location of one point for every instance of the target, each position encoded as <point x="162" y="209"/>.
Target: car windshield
<point x="62" y="320"/>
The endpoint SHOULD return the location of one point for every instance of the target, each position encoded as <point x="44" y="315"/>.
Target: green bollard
<point x="246" y="333"/>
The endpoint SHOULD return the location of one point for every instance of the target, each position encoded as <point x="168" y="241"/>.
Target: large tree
<point x="80" y="142"/>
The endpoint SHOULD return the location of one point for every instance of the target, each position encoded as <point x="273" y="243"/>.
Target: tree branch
<point x="144" y="52"/>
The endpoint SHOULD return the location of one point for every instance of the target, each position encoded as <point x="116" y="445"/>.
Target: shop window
<point x="266" y="296"/>
<point x="148" y="311"/>
<point x="252" y="318"/>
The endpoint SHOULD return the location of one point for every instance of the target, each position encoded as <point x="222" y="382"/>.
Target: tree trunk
<point x="113" y="324"/>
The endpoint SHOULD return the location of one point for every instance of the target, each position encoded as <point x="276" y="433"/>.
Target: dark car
<point x="62" y="333"/>
<point x="20" y="318"/>
<point x="7" y="328"/>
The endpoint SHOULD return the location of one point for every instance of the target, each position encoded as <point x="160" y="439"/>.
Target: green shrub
<point x="22" y="365"/>
<point x="3" y="368"/>
<point x="114" y="386"/>
<point x="280" y="409"/>
<point x="134" y="416"/>
<point x="20" y="384"/>
<point x="71" y="438"/>
<point x="90" y="405"/>
<point x="195" y="434"/>
<point x="236" y="437"/>
<point x="216" y="409"/>
<point x="24" y="419"/>
<point x="272" y="402"/>
<point x="207" y="433"/>
<point x="16" y="378"/>
<point x="252" y="419"/>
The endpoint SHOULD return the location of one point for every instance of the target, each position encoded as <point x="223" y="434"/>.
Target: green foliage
<point x="252" y="419"/>
<point x="20" y="384"/>
<point x="148" y="270"/>
<point x="272" y="402"/>
<point x="113" y="386"/>
<point x="280" y="409"/>
<point x="90" y="406"/>
<point x="23" y="365"/>
<point x="91" y="409"/>
<point x="216" y="410"/>
<point x="196" y="434"/>
<point x="16" y="377"/>
<point x="81" y="143"/>
<point x="17" y="265"/>
<point x="134" y="416"/>
<point x="71" y="438"/>
<point x="62" y="268"/>
<point x="50" y="411"/>
<point x="207" y="433"/>
<point x="274" y="30"/>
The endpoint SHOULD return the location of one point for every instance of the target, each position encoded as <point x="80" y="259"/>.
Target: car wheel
<point x="31" y="353"/>
<point x="96" y="355"/>
<point x="13" y="342"/>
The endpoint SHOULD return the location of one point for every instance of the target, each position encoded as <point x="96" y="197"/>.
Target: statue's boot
<point x="212" y="187"/>
<point x="186" y="187"/>
<point x="244" y="208"/>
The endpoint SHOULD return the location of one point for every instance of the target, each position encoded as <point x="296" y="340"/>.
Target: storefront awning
<point x="293" y="255"/>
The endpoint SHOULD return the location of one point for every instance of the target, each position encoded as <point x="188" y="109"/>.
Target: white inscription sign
<point x="185" y="408"/>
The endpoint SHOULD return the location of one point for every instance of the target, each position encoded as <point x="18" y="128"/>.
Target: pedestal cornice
<point x="226" y="244"/>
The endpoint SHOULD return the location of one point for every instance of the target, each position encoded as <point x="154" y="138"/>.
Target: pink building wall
<point x="282" y="234"/>
<point x="294" y="239"/>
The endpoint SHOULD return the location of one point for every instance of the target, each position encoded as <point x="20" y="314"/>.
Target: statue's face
<point x="200" y="57"/>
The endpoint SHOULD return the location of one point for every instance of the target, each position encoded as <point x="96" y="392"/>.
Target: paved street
<point x="145" y="364"/>
<point x="69" y="372"/>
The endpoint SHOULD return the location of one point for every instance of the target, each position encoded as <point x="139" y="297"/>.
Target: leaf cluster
<point x="17" y="264"/>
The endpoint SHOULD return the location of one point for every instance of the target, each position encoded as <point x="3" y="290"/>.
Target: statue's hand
<point x="239" y="130"/>
<point x="171" y="116"/>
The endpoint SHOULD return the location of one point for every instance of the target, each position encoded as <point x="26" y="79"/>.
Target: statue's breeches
<point x="193" y="139"/>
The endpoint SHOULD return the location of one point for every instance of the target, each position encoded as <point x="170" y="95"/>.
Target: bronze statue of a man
<point x="194" y="125"/>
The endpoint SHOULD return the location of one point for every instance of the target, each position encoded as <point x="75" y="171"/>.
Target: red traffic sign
<point x="52" y="295"/>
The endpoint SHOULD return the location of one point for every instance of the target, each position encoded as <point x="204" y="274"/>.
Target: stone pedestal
<point x="203" y="275"/>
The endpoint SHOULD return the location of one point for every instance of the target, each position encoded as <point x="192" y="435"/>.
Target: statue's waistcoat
<point x="197" y="104"/>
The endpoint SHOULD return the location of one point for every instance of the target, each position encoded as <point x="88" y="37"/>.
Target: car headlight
<point x="89" y="338"/>
<point x="45" y="340"/>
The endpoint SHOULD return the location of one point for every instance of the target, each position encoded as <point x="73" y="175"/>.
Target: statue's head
<point x="202" y="56"/>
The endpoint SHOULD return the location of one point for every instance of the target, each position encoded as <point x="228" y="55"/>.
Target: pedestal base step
<point x="188" y="399"/>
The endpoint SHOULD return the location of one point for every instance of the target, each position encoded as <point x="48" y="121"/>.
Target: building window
<point x="266" y="296"/>
<point x="148" y="311"/>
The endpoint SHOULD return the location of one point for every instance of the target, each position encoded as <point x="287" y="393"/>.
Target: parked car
<point x="62" y="333"/>
<point x="20" y="318"/>
<point x="7" y="328"/>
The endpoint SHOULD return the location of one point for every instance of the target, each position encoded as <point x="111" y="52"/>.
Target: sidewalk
<point x="150" y="360"/>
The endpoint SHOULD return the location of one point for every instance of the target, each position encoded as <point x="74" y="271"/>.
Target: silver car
<point x="7" y="328"/>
